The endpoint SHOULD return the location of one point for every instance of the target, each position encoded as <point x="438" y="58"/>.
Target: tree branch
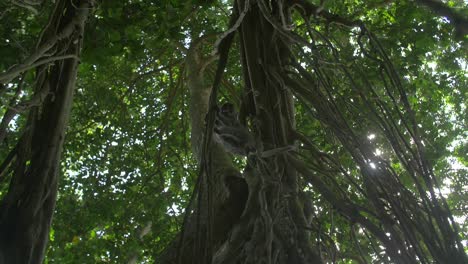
<point x="9" y="75"/>
<point x="459" y="21"/>
<point x="67" y="31"/>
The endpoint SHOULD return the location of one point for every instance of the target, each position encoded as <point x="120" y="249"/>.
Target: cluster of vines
<point x="412" y="221"/>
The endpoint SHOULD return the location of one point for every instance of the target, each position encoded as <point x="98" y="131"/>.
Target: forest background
<point x="394" y="72"/>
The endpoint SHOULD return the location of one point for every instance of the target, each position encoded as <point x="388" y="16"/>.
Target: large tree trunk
<point x="272" y="225"/>
<point x="26" y="210"/>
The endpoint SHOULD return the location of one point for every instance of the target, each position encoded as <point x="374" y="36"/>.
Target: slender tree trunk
<point x="26" y="210"/>
<point x="209" y="226"/>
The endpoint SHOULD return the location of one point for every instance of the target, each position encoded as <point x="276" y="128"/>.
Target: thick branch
<point x="66" y="32"/>
<point x="459" y="21"/>
<point x="309" y="9"/>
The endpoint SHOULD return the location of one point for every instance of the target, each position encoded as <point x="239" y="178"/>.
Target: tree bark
<point x="26" y="210"/>
<point x="261" y="229"/>
<point x="272" y="226"/>
<point x="209" y="225"/>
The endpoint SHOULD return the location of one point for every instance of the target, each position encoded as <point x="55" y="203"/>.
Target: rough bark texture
<point x="210" y="224"/>
<point x="409" y="226"/>
<point x="226" y="186"/>
<point x="26" y="210"/>
<point x="269" y="227"/>
<point x="272" y="228"/>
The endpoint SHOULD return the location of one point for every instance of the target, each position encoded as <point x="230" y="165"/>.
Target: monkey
<point x="227" y="115"/>
<point x="231" y="134"/>
<point x="235" y="137"/>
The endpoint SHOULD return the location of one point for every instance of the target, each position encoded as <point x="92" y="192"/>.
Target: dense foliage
<point x="127" y="168"/>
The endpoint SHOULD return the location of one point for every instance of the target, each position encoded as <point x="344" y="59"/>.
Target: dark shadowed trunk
<point x="272" y="227"/>
<point x="26" y="210"/>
